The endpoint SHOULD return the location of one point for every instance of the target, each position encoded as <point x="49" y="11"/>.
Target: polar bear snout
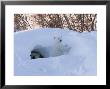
<point x="60" y="40"/>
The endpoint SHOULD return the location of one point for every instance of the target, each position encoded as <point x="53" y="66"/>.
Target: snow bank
<point x="81" y="59"/>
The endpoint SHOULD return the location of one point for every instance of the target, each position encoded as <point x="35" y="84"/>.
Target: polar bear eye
<point x="59" y="39"/>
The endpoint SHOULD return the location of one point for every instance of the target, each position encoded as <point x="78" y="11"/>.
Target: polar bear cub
<point x="57" y="48"/>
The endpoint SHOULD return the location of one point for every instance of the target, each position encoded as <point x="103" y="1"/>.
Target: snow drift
<point x="78" y="57"/>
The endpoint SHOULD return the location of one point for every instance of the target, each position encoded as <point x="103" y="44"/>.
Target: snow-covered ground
<point x="79" y="57"/>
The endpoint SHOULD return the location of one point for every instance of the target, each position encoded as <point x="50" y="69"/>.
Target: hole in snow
<point x="51" y="51"/>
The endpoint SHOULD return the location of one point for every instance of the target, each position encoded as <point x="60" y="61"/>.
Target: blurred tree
<point x="77" y="22"/>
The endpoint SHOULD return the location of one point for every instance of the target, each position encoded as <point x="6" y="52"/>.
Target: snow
<point x="78" y="56"/>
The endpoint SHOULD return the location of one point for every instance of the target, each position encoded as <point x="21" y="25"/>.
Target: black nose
<point x="60" y="40"/>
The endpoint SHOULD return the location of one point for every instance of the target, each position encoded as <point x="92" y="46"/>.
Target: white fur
<point x="57" y="49"/>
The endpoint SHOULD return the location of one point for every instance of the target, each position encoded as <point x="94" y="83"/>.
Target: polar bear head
<point x="57" y="39"/>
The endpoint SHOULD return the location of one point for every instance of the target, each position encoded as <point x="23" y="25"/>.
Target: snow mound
<point x="66" y="53"/>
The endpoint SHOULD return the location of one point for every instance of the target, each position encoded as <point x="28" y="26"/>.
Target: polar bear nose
<point x="60" y="40"/>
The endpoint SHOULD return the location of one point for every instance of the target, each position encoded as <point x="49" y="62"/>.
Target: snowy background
<point x="77" y="55"/>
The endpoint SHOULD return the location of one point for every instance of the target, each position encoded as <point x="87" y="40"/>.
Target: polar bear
<point x="57" y="48"/>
